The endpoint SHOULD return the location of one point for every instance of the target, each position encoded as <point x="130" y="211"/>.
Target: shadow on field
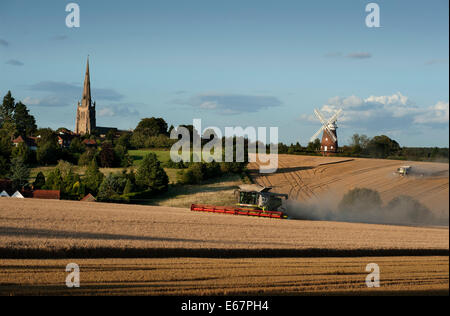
<point x="115" y="252"/>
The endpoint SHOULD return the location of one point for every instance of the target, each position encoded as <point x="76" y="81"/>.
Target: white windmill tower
<point x="329" y="143"/>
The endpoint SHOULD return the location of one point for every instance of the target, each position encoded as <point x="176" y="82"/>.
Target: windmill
<point x="329" y="143"/>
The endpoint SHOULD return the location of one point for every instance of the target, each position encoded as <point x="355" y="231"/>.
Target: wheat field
<point x="55" y="225"/>
<point x="318" y="179"/>
<point x="206" y="276"/>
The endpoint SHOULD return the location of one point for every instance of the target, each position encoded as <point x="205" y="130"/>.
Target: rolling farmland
<point x="315" y="179"/>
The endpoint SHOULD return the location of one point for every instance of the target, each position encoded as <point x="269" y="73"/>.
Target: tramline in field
<point x="252" y="200"/>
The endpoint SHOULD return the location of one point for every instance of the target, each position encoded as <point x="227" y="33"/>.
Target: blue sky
<point x="235" y="63"/>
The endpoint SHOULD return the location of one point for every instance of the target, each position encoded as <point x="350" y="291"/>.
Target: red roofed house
<point x="90" y="142"/>
<point x="29" y="141"/>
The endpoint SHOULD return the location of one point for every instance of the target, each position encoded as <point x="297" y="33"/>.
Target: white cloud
<point x="435" y="114"/>
<point x="384" y="113"/>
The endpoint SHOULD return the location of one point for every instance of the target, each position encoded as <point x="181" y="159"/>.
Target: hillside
<point x="326" y="179"/>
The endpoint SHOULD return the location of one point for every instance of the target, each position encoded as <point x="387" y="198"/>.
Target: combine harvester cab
<point x="252" y="200"/>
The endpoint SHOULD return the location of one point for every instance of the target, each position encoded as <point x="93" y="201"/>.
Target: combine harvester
<point x="252" y="200"/>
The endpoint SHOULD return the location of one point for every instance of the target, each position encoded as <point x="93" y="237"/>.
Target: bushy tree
<point x="112" y="187"/>
<point x="148" y="127"/>
<point x="93" y="178"/>
<point x="19" y="173"/>
<point x="382" y="147"/>
<point x="150" y="175"/>
<point x="7" y="109"/>
<point x="25" y="122"/>
<point x="54" y="180"/>
<point x="407" y="209"/>
<point x="39" y="182"/>
<point x="5" y="152"/>
<point x="107" y="156"/>
<point x="24" y="152"/>
<point x="48" y="152"/>
<point x="86" y="157"/>
<point x="76" y="146"/>
<point x="360" y="200"/>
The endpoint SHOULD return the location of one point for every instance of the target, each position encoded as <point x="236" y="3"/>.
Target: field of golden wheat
<point x="317" y="179"/>
<point x="206" y="276"/>
<point x="53" y="225"/>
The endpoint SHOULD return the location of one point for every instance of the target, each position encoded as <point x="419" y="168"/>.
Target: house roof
<point x="29" y="141"/>
<point x="47" y="194"/>
<point x="17" y="195"/>
<point x="88" y="198"/>
<point x="4" y="194"/>
<point x="89" y="142"/>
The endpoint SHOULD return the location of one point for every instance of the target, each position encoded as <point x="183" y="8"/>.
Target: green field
<point x="139" y="154"/>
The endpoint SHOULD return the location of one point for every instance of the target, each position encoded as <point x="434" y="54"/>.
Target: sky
<point x="235" y="63"/>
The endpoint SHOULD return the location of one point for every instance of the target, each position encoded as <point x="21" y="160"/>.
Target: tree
<point x="5" y="152"/>
<point x="7" y="109"/>
<point x="124" y="140"/>
<point x="93" y="177"/>
<point x="150" y="175"/>
<point x="408" y="209"/>
<point x="382" y="147"/>
<point x="39" y="182"/>
<point x="86" y="157"/>
<point x="76" y="146"/>
<point x="360" y="200"/>
<point x="24" y="122"/>
<point x="19" y="173"/>
<point x="107" y="156"/>
<point x="148" y="127"/>
<point x="111" y="187"/>
<point x="24" y="152"/>
<point x="47" y="152"/>
<point x="54" y="180"/>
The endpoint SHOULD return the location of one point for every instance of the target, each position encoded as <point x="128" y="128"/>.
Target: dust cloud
<point x="403" y="210"/>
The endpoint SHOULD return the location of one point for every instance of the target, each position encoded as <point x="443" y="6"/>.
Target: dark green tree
<point x="24" y="121"/>
<point x="150" y="175"/>
<point x="47" y="152"/>
<point x="7" y="109"/>
<point x="360" y="200"/>
<point x="93" y="178"/>
<point x="19" y="173"/>
<point x="107" y="155"/>
<point x="39" y="182"/>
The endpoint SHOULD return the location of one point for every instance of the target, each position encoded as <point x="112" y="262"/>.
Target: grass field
<point x="139" y="154"/>
<point x="205" y="276"/>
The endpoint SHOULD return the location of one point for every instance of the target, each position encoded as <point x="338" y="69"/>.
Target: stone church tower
<point x="85" y="121"/>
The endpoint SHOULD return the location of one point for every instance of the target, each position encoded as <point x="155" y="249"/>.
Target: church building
<point x="85" y="121"/>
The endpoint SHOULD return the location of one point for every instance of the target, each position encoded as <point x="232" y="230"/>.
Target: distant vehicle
<point x="403" y="170"/>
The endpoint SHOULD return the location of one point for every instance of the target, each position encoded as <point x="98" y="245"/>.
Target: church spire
<point x="86" y="102"/>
